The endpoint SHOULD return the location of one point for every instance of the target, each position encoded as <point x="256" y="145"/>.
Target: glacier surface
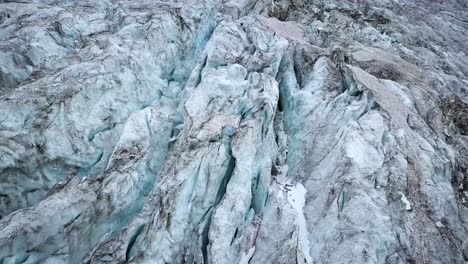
<point x="233" y="131"/>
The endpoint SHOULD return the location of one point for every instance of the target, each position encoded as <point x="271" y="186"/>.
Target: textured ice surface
<point x="213" y="131"/>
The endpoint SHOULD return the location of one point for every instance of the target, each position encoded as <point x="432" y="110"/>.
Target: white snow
<point x="280" y="194"/>
<point x="245" y="258"/>
<point x="405" y="201"/>
<point x="296" y="198"/>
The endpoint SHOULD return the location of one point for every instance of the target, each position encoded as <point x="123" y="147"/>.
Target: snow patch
<point x="245" y="258"/>
<point x="296" y="198"/>
<point x="405" y="201"/>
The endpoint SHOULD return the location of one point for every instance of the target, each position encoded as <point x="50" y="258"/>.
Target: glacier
<point x="233" y="131"/>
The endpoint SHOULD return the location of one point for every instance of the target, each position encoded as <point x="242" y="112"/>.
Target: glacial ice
<point x="213" y="131"/>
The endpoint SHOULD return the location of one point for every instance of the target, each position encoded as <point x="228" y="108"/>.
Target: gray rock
<point x="209" y="131"/>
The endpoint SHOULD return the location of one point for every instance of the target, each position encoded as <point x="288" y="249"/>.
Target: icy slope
<point x="211" y="131"/>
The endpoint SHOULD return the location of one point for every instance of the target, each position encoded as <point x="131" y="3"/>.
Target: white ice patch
<point x="405" y="201"/>
<point x="283" y="183"/>
<point x="296" y="198"/>
<point x="283" y="188"/>
<point x="245" y="258"/>
<point x="280" y="194"/>
<point x="363" y="154"/>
